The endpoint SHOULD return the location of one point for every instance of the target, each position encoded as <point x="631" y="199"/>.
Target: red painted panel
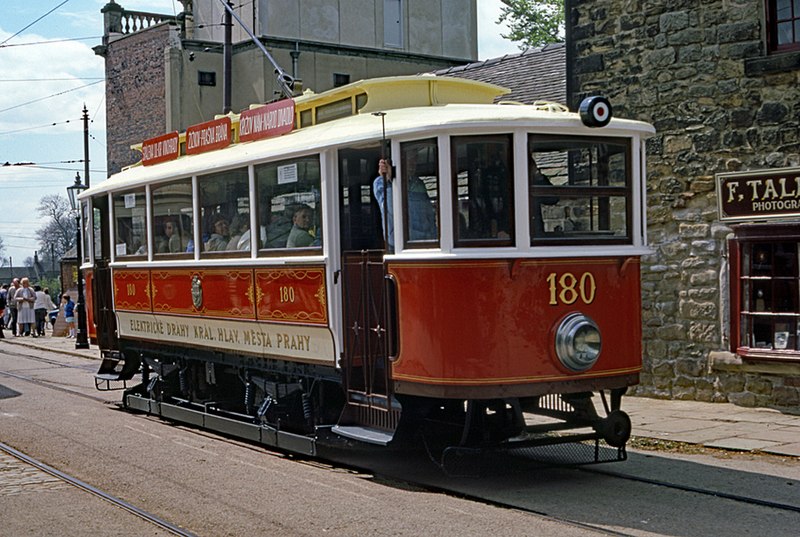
<point x="221" y="292"/>
<point x="88" y="275"/>
<point x="132" y="290"/>
<point x="292" y="295"/>
<point x="490" y="322"/>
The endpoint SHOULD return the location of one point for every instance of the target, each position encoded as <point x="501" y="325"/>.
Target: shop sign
<point x="265" y="121"/>
<point x="758" y="195"/>
<point x="208" y="136"/>
<point x="161" y="149"/>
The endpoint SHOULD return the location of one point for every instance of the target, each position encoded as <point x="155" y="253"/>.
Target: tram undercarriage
<point x="299" y="407"/>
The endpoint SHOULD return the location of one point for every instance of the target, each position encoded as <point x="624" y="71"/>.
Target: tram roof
<point x="423" y="106"/>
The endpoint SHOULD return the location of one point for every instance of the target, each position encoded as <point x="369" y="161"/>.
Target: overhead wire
<point x="30" y="43"/>
<point x="34" y="22"/>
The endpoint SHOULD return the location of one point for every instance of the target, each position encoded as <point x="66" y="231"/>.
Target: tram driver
<point x="421" y="213"/>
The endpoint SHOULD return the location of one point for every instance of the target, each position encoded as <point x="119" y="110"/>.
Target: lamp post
<point x="81" y="339"/>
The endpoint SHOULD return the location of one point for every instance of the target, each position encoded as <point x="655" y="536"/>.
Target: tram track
<point x="400" y="480"/>
<point x="695" y="490"/>
<point x="48" y="383"/>
<point x="85" y="487"/>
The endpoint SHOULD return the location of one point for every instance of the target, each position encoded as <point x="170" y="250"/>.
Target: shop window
<point x="783" y="25"/>
<point x="172" y="218"/>
<point x="579" y="190"/>
<point x="765" y="297"/>
<point x="483" y="176"/>
<point x="289" y="204"/>
<point x="130" y="224"/>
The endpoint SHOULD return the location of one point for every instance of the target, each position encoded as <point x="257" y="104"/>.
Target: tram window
<point x="482" y="181"/>
<point x="86" y="249"/>
<point x="579" y="189"/>
<point x="172" y="217"/>
<point x="224" y="210"/>
<point x="130" y="225"/>
<point x="289" y="204"/>
<point x="420" y="175"/>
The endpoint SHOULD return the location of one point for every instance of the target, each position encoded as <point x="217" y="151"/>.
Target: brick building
<point x="164" y="72"/>
<point x="719" y="80"/>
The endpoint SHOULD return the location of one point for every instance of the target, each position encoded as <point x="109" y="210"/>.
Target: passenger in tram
<point x="220" y="235"/>
<point x="239" y="225"/>
<point x="301" y="234"/>
<point x="421" y="214"/>
<point x="170" y="241"/>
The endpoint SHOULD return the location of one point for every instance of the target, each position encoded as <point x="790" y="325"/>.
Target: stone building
<point x="720" y="80"/>
<point x="165" y="72"/>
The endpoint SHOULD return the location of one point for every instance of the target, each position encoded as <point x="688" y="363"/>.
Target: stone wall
<point x="698" y="71"/>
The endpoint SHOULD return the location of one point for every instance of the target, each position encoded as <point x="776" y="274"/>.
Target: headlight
<point x="578" y="342"/>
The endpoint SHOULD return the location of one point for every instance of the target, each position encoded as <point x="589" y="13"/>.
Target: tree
<point x="533" y="22"/>
<point x="57" y="234"/>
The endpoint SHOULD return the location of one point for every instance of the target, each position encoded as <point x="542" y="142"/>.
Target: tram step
<point x="364" y="434"/>
<point x="114" y="368"/>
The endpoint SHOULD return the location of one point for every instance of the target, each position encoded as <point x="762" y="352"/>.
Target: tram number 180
<point x="569" y="288"/>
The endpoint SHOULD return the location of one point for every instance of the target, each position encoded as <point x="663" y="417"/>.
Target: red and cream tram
<point x="267" y="283"/>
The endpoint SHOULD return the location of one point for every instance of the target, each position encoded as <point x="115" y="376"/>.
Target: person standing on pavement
<point x="12" y="305"/>
<point x="42" y="305"/>
<point x="26" y="318"/>
<point x="69" y="313"/>
<point x="6" y="312"/>
<point x="3" y="303"/>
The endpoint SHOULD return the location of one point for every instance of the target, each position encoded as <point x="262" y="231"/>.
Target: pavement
<point x="713" y="425"/>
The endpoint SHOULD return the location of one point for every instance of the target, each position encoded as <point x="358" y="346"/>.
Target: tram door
<point x="103" y="312"/>
<point x="367" y="294"/>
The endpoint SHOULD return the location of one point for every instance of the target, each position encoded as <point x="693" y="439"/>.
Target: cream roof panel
<point x="348" y="131"/>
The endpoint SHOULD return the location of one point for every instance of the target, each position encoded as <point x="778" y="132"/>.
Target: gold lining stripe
<point x="514" y="380"/>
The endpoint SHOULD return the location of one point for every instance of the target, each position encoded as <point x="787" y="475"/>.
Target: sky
<point x="48" y="72"/>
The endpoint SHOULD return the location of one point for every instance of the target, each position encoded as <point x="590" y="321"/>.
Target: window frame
<point x="152" y="224"/>
<point x="283" y="251"/>
<point x="115" y="231"/>
<point x="772" y="29"/>
<point x="579" y="191"/>
<point x="410" y="243"/>
<point x="745" y="235"/>
<point x="483" y="242"/>
<point x="202" y="220"/>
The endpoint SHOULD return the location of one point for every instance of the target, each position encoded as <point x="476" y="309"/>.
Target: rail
<point x="123" y="21"/>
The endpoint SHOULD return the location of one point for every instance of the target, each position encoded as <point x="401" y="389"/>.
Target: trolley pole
<point x="227" y="59"/>
<point x="86" y="145"/>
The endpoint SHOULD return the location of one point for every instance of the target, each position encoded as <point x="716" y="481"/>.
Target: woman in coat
<point x="25" y="298"/>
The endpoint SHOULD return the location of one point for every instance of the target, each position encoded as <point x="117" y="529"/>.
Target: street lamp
<point x="81" y="339"/>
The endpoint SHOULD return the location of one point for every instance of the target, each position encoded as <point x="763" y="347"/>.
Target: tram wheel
<point x="616" y="428"/>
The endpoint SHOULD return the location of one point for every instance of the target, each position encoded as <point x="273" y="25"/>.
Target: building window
<point x="206" y="78"/>
<point x="783" y="25"/>
<point x="765" y="297"/>
<point x="340" y="79"/>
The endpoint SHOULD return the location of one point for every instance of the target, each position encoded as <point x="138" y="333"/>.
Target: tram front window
<point x="579" y="190"/>
<point x="482" y="181"/>
<point x="172" y="217"/>
<point x="130" y="224"/>
<point x="224" y="210"/>
<point x="289" y="204"/>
